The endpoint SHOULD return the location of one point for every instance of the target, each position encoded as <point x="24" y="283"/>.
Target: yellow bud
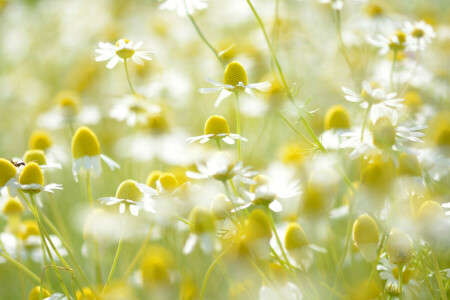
<point x="168" y="182"/>
<point x="417" y="33"/>
<point x="216" y="125"/>
<point x="13" y="206"/>
<point x="378" y="175"/>
<point x="36" y="293"/>
<point x="399" y="247"/>
<point x="220" y="207"/>
<point x="87" y="294"/>
<point x="7" y="171"/>
<point x="152" y="178"/>
<point x="188" y="289"/>
<point x="235" y="73"/>
<point x="337" y="117"/>
<point x="407" y="274"/>
<point x="40" y="139"/>
<point x="28" y="228"/>
<point x="374" y="10"/>
<point x="68" y="102"/>
<point x="292" y="153"/>
<point x="408" y="165"/>
<point x="31" y="174"/>
<point x="201" y="221"/>
<point x="37" y="156"/>
<point x="295" y="237"/>
<point x="258" y="226"/>
<point x="156" y="265"/>
<point x="85" y="143"/>
<point x="129" y="191"/>
<point x="383" y="133"/>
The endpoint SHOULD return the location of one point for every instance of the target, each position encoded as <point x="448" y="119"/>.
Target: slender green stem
<point x="125" y="63"/>
<point x="438" y="275"/>
<point x="394" y="60"/>
<point x="209" y="272"/>
<point x="116" y="257"/>
<point x="400" y="281"/>
<point x="139" y="253"/>
<point x="343" y="47"/>
<point x="218" y="144"/>
<point x="98" y="270"/>
<point x="274" y="229"/>
<point x="183" y="220"/>
<point x="295" y="130"/>
<point x="202" y="36"/>
<point x="22" y="268"/>
<point x="238" y="125"/>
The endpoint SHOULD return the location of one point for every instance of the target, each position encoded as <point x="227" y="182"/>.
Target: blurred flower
<point x="216" y="128"/>
<point x="133" y="110"/>
<point x="419" y="35"/>
<point x="235" y="80"/>
<point x="284" y="288"/>
<point x="123" y="50"/>
<point x="390" y="273"/>
<point x="183" y="6"/>
<point x="202" y="231"/>
<point x="396" y="42"/>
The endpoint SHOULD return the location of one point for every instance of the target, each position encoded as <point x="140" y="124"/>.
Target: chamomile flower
<point x="336" y="122"/>
<point x="390" y="273"/>
<point x="183" y="6"/>
<point x="419" y="35"/>
<point x="8" y="173"/>
<point x="216" y="128"/>
<point x="86" y="154"/>
<point x="234" y="80"/>
<point x="38" y="156"/>
<point x="202" y="229"/>
<point x="373" y="96"/>
<point x="134" y="110"/>
<point x="122" y="51"/>
<point x="31" y="180"/>
<point x="221" y="167"/>
<point x="130" y="194"/>
<point x="396" y="42"/>
<point x="282" y="286"/>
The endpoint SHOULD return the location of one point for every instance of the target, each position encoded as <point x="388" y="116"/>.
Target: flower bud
<point x="40" y="139"/>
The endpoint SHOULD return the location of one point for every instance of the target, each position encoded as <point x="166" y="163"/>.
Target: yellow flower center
<point x="201" y="221"/>
<point x="152" y="178"/>
<point x="235" y="73"/>
<point x="408" y="165"/>
<point x="85" y="143"/>
<point x="124" y="53"/>
<point x="258" y="226"/>
<point x="413" y="101"/>
<point x="375" y="10"/>
<point x="36" y="293"/>
<point x="155" y="266"/>
<point x="295" y="237"/>
<point x="31" y="174"/>
<point x="87" y="294"/>
<point x="40" y="139"/>
<point x="337" y="117"/>
<point x="168" y="182"/>
<point x="418" y="33"/>
<point x="13" y="206"/>
<point x="216" y="125"/>
<point x="129" y="191"/>
<point x="379" y="174"/>
<point x="7" y="171"/>
<point x="263" y="198"/>
<point x="407" y="273"/>
<point x="37" y="156"/>
<point x="365" y="230"/>
<point x="68" y="101"/>
<point x="292" y="153"/>
<point x="383" y="133"/>
<point x="29" y="227"/>
<point x="400" y="45"/>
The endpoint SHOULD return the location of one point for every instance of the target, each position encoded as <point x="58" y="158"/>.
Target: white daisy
<point x="8" y="173"/>
<point x="133" y="110"/>
<point x="419" y="35"/>
<point x="396" y="42"/>
<point x="183" y="6"/>
<point x="381" y="104"/>
<point x="130" y="194"/>
<point x="235" y="80"/>
<point x="216" y="128"/>
<point x="123" y="50"/>
<point x="31" y="180"/>
<point x="390" y="273"/>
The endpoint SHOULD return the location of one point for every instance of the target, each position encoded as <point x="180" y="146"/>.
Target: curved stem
<point x="116" y="257"/>
<point x="209" y="271"/>
<point x="139" y="253"/>
<point x="128" y="76"/>
<point x="295" y="130"/>
<point x="343" y="47"/>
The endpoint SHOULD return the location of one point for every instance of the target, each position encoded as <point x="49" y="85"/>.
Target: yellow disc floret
<point x="129" y="191"/>
<point x="365" y="230"/>
<point x="7" y="171"/>
<point x="258" y="226"/>
<point x="124" y="53"/>
<point x="167" y="182"/>
<point x="85" y="294"/>
<point x="40" y="139"/>
<point x="216" y="125"/>
<point x="31" y="174"/>
<point x="295" y="237"/>
<point x="36" y="293"/>
<point x="68" y="102"/>
<point x="152" y="178"/>
<point x="201" y="221"/>
<point x="337" y="117"/>
<point x="37" y="156"/>
<point x="13" y="206"/>
<point x="278" y="274"/>
<point x="383" y="133"/>
<point x="28" y="228"/>
<point x="235" y="73"/>
<point x="85" y="143"/>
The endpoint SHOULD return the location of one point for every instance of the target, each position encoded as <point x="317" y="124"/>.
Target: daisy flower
<point x="336" y="122"/>
<point x="216" y="128"/>
<point x="8" y="172"/>
<point x="133" y="110"/>
<point x="419" y="35"/>
<point x="384" y="134"/>
<point x="282" y="286"/>
<point x="130" y="194"/>
<point x="31" y="180"/>
<point x="381" y="104"/>
<point x="390" y="273"/>
<point x="183" y="6"/>
<point x="38" y="156"/>
<point x="220" y="167"/>
<point x="396" y="42"/>
<point x="86" y="154"/>
<point x="234" y="80"/>
<point x="122" y="51"/>
<point x="202" y="231"/>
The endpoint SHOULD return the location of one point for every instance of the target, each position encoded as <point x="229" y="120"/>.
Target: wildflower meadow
<point x="224" y="149"/>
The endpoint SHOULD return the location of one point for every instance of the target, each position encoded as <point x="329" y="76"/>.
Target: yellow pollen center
<point x="36" y="293"/>
<point x="365" y="230"/>
<point x="407" y="273"/>
<point x="216" y="125"/>
<point x="129" y="191"/>
<point x="40" y="139"/>
<point x="85" y="143"/>
<point x="31" y="174"/>
<point x="29" y="227"/>
<point x="418" y="33"/>
<point x="258" y="226"/>
<point x="295" y="237"/>
<point x="37" y="156"/>
<point x="201" y="221"/>
<point x="168" y="182"/>
<point x="383" y="133"/>
<point x="13" y="207"/>
<point x="235" y="73"/>
<point x="7" y="171"/>
<point x="152" y="178"/>
<point x="337" y="117"/>
<point x="124" y="53"/>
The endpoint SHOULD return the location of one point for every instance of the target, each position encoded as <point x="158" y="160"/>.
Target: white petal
<point x="275" y="206"/>
<point x="122" y="208"/>
<point x="137" y="60"/>
<point x="190" y="243"/>
<point x="224" y="94"/>
<point x="209" y="90"/>
<point x="228" y="140"/>
<point x="113" y="62"/>
<point x="134" y="210"/>
<point x="111" y="163"/>
<point x="146" y="189"/>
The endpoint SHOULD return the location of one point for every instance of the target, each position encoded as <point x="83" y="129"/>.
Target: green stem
<point x="438" y="275"/>
<point x="139" y="253"/>
<point x="116" y="257"/>
<point x="22" y="268"/>
<point x="202" y="36"/>
<point x="218" y="144"/>
<point x="343" y="47"/>
<point x="394" y="60"/>
<point x="295" y="130"/>
<point x="128" y="76"/>
<point x="400" y="281"/>
<point x="98" y="270"/>
<point x="272" y="224"/>
<point x="238" y="125"/>
<point x="209" y="272"/>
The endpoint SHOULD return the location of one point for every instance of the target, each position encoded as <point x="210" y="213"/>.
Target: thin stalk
<point x="98" y="270"/>
<point x="272" y="224"/>
<point x="209" y="272"/>
<point x="116" y="257"/>
<point x="238" y="125"/>
<point x="438" y="276"/>
<point x="400" y="282"/>
<point x="202" y="36"/>
<point x="218" y="144"/>
<point x="391" y="78"/>
<point x="128" y="76"/>
<point x="343" y="47"/>
<point x="22" y="268"/>
<point x="139" y="253"/>
<point x="295" y="130"/>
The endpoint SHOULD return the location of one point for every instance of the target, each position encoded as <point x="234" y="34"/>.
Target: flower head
<point x="7" y="172"/>
<point x="122" y="51"/>
<point x="183" y="7"/>
<point x="419" y="35"/>
<point x="399" y="247"/>
<point x="31" y="180"/>
<point x="366" y="236"/>
<point x="216" y="128"/>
